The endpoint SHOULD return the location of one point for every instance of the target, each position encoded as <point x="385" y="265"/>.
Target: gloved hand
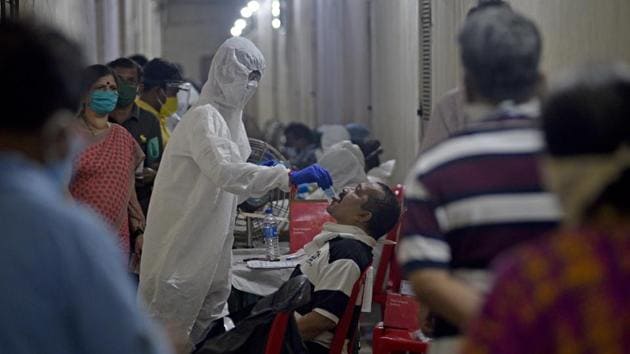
<point x="268" y="163"/>
<point x="312" y="174"/>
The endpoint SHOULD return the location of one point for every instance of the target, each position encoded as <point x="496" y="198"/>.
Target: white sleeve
<point x="219" y="159"/>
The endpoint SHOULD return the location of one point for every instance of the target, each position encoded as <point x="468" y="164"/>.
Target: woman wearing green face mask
<point x="104" y="173"/>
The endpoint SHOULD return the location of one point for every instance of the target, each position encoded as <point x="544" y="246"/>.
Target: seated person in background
<point x="299" y="146"/>
<point x="371" y="150"/>
<point x="569" y="293"/>
<point x="346" y="165"/>
<point x="337" y="256"/>
<point x="328" y="135"/>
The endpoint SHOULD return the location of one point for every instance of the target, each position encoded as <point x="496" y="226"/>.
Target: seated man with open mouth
<point x="336" y="258"/>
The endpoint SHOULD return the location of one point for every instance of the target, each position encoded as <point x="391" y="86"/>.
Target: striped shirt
<point x="335" y="260"/>
<point x="475" y="195"/>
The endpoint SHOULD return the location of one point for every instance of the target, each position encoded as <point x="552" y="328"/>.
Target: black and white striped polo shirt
<point x="334" y="261"/>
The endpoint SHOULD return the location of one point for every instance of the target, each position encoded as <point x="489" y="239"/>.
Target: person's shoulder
<point x="346" y="248"/>
<point x="147" y="117"/>
<point x="205" y="115"/>
<point x="474" y="143"/>
<point x="119" y="129"/>
<point x="123" y="134"/>
<point x="61" y="224"/>
<point x="205" y="110"/>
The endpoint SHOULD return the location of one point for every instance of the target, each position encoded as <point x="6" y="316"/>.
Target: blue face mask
<point x="103" y="102"/>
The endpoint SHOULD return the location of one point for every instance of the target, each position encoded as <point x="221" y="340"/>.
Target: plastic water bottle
<point x="270" y="233"/>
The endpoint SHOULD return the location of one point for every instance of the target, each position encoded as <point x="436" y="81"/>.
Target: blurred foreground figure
<point x="479" y="192"/>
<point x="65" y="289"/>
<point x="570" y="293"/>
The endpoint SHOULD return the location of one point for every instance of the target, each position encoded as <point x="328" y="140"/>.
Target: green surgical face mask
<point x="126" y="94"/>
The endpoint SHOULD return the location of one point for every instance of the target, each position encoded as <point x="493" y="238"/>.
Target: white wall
<point x="318" y="63"/>
<point x="194" y="29"/>
<point x="77" y="18"/>
<point x="395" y="77"/>
<point x="573" y="31"/>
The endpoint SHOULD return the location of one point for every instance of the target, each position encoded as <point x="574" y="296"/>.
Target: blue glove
<point x="268" y="163"/>
<point x="312" y="174"/>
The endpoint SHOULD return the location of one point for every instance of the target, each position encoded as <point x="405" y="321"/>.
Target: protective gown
<point x="185" y="267"/>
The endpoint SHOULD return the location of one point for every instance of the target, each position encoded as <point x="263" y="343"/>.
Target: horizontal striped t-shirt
<point x="474" y="195"/>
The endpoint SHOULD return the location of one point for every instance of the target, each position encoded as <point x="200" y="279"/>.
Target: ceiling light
<point x="235" y="32"/>
<point x="253" y="6"/>
<point x="246" y="12"/>
<point x="240" y="24"/>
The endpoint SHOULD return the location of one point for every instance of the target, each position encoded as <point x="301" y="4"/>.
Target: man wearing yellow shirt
<point x="162" y="80"/>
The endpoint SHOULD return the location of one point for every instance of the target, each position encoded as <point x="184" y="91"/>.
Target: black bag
<point x="250" y="335"/>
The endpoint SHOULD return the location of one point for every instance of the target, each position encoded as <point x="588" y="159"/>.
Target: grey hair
<point x="500" y="52"/>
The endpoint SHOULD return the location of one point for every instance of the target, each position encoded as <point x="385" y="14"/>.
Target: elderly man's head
<point x="371" y="206"/>
<point x="500" y="52"/>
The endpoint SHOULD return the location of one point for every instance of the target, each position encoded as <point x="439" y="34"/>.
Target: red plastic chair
<point x="396" y="333"/>
<point x="307" y="218"/>
<point x="388" y="261"/>
<point x="280" y="322"/>
<point x="341" y="331"/>
<point x="394" y="340"/>
<point x="277" y="332"/>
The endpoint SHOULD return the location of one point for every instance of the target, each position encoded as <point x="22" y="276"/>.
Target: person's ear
<point x="364" y="216"/>
<point x="140" y="88"/>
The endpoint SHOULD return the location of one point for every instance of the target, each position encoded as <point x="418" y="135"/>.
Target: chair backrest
<point x="388" y="259"/>
<point x="341" y="331"/>
<point x="277" y="332"/>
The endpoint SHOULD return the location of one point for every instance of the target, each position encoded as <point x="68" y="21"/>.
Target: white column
<point x="395" y="81"/>
<point x="108" y="34"/>
<point x="329" y="61"/>
<point x="262" y="37"/>
<point x="300" y="54"/>
<point x="356" y="85"/>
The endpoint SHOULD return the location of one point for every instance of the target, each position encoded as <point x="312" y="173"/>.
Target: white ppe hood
<point x="345" y="163"/>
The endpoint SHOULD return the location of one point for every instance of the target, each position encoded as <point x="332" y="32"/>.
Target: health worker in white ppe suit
<point x="186" y="256"/>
